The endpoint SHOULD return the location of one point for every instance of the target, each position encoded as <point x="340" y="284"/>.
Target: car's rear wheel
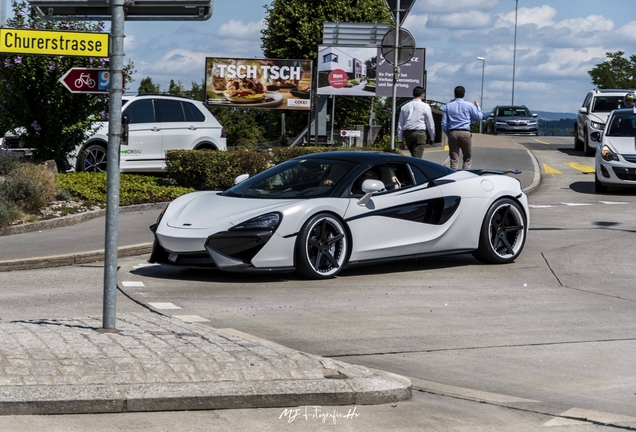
<point x="578" y="144"/>
<point x="503" y="233"/>
<point x="598" y="186"/>
<point x="94" y="158"/>
<point x="322" y="247"/>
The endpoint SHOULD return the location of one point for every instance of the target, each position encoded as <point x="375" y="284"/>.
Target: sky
<point x="558" y="42"/>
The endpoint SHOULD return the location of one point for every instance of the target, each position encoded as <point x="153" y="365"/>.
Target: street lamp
<point x="514" y="54"/>
<point x="481" y="100"/>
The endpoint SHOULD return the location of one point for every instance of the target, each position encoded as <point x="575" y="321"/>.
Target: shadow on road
<point x="587" y="187"/>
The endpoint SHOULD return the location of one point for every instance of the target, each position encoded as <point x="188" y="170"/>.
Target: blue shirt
<point x="458" y="114"/>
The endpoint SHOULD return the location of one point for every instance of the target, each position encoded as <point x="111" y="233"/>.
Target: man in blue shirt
<point x="456" y="125"/>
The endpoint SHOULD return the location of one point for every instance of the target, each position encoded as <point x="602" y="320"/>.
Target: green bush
<point x="8" y="212"/>
<point x="8" y="163"/>
<point x="212" y="170"/>
<point x="133" y="188"/>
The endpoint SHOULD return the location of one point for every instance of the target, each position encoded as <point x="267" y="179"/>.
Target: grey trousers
<point x="460" y="140"/>
<point x="415" y="141"/>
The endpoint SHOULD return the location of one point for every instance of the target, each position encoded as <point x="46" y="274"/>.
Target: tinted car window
<point x="141" y="111"/>
<point x="623" y="125"/>
<point x="607" y="103"/>
<point x="169" y="111"/>
<point x="192" y="113"/>
<point x="420" y="177"/>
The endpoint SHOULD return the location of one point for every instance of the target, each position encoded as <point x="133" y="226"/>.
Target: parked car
<point x="304" y="214"/>
<point x="592" y="116"/>
<point x="615" y="153"/>
<point x="512" y="120"/>
<point x="12" y="142"/>
<point x="158" y="123"/>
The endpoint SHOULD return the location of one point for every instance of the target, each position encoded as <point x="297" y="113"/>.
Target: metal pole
<point x="333" y="115"/>
<point x="514" y="55"/>
<point x="396" y="70"/>
<point x="481" y="100"/>
<point x="3" y="13"/>
<point x="112" y="172"/>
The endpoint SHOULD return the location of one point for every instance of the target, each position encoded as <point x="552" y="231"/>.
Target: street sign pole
<point x="112" y="169"/>
<point x="396" y="70"/>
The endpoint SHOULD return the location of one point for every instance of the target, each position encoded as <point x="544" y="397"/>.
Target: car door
<point x="393" y="223"/>
<point x="178" y="132"/>
<point x="143" y="151"/>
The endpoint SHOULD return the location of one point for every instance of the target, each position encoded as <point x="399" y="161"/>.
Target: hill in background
<point x="546" y="115"/>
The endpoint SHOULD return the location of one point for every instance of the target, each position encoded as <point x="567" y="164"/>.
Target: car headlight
<point x="532" y="123"/>
<point x="266" y="221"/>
<point x="608" y="154"/>
<point x="597" y="125"/>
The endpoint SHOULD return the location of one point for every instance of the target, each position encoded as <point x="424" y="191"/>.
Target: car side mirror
<point x="583" y="110"/>
<point x="491" y="115"/>
<point x="125" y="121"/>
<point x="370" y="187"/>
<point x="241" y="178"/>
<point x="535" y="115"/>
<point x="595" y="136"/>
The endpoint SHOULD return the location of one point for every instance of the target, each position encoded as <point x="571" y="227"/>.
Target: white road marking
<point x="133" y="284"/>
<point x="144" y="265"/>
<point x="465" y="392"/>
<point x="540" y="206"/>
<point x="164" y="306"/>
<point x="191" y="318"/>
<point x="576" y="204"/>
<point x="596" y="416"/>
<point x="613" y="202"/>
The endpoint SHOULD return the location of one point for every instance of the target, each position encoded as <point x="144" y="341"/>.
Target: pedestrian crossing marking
<point x="541" y="142"/>
<point x="540" y="206"/>
<point x="614" y="202"/>
<point x="549" y="170"/>
<point x="576" y="204"/>
<point x="580" y="167"/>
<point x="585" y="414"/>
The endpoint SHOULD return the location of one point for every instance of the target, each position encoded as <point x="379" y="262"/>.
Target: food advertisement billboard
<point x="258" y="83"/>
<point x="363" y="71"/>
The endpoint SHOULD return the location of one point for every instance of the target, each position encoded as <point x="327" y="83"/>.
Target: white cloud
<point x="540" y="16"/>
<point x="464" y="20"/>
<point x="628" y="31"/>
<point x="130" y="42"/>
<point x="235" y="29"/>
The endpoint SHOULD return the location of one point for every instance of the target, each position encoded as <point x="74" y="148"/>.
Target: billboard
<point x="363" y="71"/>
<point x="258" y="83"/>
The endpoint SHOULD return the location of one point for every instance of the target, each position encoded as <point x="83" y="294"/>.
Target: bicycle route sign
<point x="86" y="80"/>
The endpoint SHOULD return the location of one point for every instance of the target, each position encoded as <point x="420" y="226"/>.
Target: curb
<point x="381" y="388"/>
<point x="536" y="178"/>
<point x="73" y="219"/>
<point x="72" y="259"/>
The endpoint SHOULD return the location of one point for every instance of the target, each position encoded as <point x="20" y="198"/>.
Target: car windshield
<point x="296" y="178"/>
<point x="607" y="103"/>
<point x="623" y="125"/>
<point x="513" y="112"/>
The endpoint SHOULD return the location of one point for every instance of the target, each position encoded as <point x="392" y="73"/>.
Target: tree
<point x="294" y="31"/>
<point x="147" y="86"/>
<point x="616" y="73"/>
<point x="48" y="118"/>
<point x="176" y="89"/>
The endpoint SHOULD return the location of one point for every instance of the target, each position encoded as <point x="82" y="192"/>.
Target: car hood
<point x="213" y="209"/>
<point x="599" y="117"/>
<point x="622" y="145"/>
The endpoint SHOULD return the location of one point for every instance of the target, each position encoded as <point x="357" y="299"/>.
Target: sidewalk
<point x="158" y="363"/>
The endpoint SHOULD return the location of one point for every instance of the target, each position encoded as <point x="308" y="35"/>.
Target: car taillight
<point x="223" y="133"/>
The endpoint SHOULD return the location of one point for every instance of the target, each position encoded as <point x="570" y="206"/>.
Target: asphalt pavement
<point x="154" y="362"/>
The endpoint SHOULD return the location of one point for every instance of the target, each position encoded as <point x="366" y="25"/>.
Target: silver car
<point x="615" y="152"/>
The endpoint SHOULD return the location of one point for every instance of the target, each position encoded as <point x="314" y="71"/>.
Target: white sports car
<point x="324" y="212"/>
<point x="616" y="152"/>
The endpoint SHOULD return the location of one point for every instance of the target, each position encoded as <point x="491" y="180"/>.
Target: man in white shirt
<point x="416" y="120"/>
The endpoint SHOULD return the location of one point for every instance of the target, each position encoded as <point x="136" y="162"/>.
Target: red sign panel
<point x="86" y="80"/>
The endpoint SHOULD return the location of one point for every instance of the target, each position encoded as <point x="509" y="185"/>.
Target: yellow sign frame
<point x="49" y="42"/>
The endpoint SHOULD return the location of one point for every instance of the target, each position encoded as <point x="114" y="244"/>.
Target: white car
<point x="616" y="152"/>
<point x="592" y="116"/>
<point x="324" y="212"/>
<point x="158" y="123"/>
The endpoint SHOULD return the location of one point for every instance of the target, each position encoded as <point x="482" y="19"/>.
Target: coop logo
<point x="298" y="102"/>
<point x="131" y="152"/>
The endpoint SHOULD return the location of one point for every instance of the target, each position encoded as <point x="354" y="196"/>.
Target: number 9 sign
<point x="103" y="82"/>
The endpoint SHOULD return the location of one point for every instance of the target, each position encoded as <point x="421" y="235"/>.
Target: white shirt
<point x="416" y="115"/>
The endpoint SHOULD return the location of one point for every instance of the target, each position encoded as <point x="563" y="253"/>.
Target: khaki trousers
<point x="460" y="140"/>
<point x="415" y="141"/>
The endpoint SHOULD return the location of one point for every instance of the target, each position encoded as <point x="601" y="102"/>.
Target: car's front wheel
<point x="322" y="247"/>
<point x="598" y="186"/>
<point x="587" y="149"/>
<point x="94" y="158"/>
<point x="578" y="144"/>
<point x="503" y="233"/>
